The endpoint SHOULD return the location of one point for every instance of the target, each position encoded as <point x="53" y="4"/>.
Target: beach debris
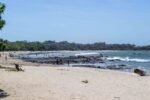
<point x="18" y="67"/>
<point x="8" y="68"/>
<point x="85" y="81"/>
<point x="122" y="65"/>
<point x="139" y="72"/>
<point x="3" y="94"/>
<point x="117" y="98"/>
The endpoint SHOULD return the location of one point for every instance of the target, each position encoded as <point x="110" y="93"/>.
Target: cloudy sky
<point x="81" y="21"/>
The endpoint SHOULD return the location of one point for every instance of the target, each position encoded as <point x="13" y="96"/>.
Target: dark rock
<point x="115" y="60"/>
<point x="101" y="62"/>
<point x="18" y="67"/>
<point x="122" y="65"/>
<point x="112" y="67"/>
<point x="111" y="60"/>
<point x="117" y="67"/>
<point x="3" y="94"/>
<point x="140" y="72"/>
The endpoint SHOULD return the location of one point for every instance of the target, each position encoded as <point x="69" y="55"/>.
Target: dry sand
<point x="65" y="83"/>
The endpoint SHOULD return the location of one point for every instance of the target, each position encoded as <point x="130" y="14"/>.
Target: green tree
<point x="2" y="23"/>
<point x="2" y="9"/>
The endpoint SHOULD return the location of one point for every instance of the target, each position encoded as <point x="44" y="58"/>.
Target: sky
<point x="80" y="21"/>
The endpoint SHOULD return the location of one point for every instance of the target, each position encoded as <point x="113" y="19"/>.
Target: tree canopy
<point x="2" y="9"/>
<point x="64" y="45"/>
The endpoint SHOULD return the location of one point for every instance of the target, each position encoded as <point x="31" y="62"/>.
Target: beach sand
<point x="63" y="83"/>
<point x="68" y="83"/>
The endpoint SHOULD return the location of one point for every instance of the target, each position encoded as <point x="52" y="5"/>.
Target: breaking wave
<point x="86" y="54"/>
<point x="128" y="59"/>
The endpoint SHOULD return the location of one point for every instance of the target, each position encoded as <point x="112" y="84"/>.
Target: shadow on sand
<point x="3" y="94"/>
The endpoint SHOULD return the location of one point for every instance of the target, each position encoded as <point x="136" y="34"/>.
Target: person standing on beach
<point x="6" y="57"/>
<point x="68" y="62"/>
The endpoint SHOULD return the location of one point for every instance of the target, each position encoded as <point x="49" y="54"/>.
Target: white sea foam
<point x="128" y="59"/>
<point x="84" y="54"/>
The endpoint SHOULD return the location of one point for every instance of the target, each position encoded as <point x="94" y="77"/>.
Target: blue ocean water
<point x="133" y="59"/>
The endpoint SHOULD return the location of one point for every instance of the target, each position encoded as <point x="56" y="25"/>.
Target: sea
<point x="132" y="59"/>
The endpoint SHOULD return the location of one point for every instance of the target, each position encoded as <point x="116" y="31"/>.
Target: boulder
<point x="140" y="72"/>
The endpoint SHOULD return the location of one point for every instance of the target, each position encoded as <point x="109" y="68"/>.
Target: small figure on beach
<point x="6" y="57"/>
<point x="57" y="61"/>
<point x="68" y="62"/>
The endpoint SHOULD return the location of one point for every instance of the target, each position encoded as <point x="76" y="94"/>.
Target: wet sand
<point x="48" y="82"/>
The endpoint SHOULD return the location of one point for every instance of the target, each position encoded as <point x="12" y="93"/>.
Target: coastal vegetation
<point x="2" y="9"/>
<point x="6" y="45"/>
<point x="2" y="23"/>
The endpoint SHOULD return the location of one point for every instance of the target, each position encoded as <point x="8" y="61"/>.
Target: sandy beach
<point x="48" y="82"/>
<point x="74" y="50"/>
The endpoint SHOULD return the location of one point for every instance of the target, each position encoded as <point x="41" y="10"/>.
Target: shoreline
<point x="52" y="82"/>
<point x="93" y="59"/>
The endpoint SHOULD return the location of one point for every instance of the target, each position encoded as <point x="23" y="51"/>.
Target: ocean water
<point x="133" y="59"/>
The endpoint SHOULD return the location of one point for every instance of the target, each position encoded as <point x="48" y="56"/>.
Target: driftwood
<point x="17" y="66"/>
